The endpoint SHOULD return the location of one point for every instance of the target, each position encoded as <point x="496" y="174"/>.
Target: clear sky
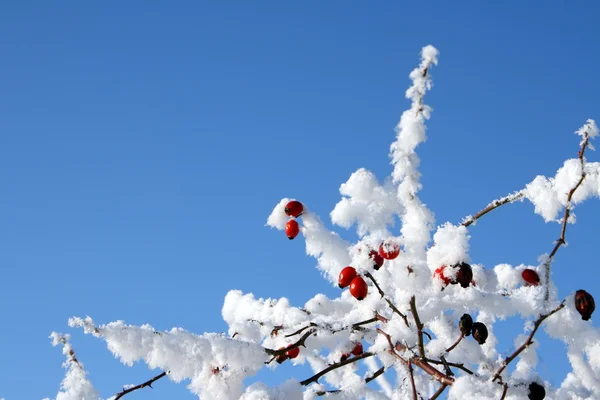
<point x="144" y="144"/>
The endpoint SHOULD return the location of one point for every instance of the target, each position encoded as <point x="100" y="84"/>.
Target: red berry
<point x="294" y="208"/>
<point x="377" y="259"/>
<point x="344" y="357"/>
<point x="530" y="277"/>
<point x="293" y="353"/>
<point x="389" y="250"/>
<point x="358" y="349"/>
<point x="358" y="288"/>
<point x="439" y="273"/>
<point x="346" y="277"/>
<point x="584" y="303"/>
<point x="292" y="229"/>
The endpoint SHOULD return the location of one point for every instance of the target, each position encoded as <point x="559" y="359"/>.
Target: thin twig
<point x="528" y="341"/>
<point x="279" y="352"/>
<point x="504" y="391"/>
<point x="455" y="365"/>
<point x="419" y="362"/>
<point x="493" y="205"/>
<point x="312" y="324"/>
<point x="392" y="306"/>
<point x="315" y="377"/>
<point x="413" y="309"/>
<point x="375" y="375"/>
<point x="140" y="386"/>
<point x="449" y="349"/>
<point x="563" y="230"/>
<point x="438" y="392"/>
<point x="446" y="366"/>
<point x="412" y="381"/>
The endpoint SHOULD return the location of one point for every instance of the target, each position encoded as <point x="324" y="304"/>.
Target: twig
<point x="438" y="392"/>
<point x="449" y="349"/>
<point x="446" y="366"/>
<point x="412" y="381"/>
<point x="563" y="230"/>
<point x="279" y="352"/>
<point x="492" y="206"/>
<point x="419" y="362"/>
<point x="312" y="324"/>
<point x="141" y="385"/>
<point x="528" y="341"/>
<point x="455" y="365"/>
<point x="324" y="392"/>
<point x="375" y="375"/>
<point x="315" y="378"/>
<point x="413" y="309"/>
<point x="504" y="391"/>
<point x="392" y="306"/>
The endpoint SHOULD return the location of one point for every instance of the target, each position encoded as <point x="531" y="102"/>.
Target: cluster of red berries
<point x="291" y="353"/>
<point x="349" y="277"/>
<point x="357" y="350"/>
<point x="463" y="276"/>
<point x="584" y="302"/>
<point x="293" y="209"/>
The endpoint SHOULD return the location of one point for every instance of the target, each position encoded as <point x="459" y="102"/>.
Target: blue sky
<point x="143" y="146"/>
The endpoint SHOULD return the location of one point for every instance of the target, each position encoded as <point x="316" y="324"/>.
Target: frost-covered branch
<point x="528" y="342"/>
<point x="315" y="377"/>
<point x="587" y="131"/>
<point x="75" y="385"/>
<point x="467" y="221"/>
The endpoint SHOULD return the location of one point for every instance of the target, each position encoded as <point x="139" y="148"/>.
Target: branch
<point x="413" y="309"/>
<point x="312" y="324"/>
<point x="504" y="391"/>
<point x="455" y="365"/>
<point x="412" y="381"/>
<point x="449" y="349"/>
<point x="492" y="206"/>
<point x="375" y="375"/>
<point x="563" y="230"/>
<point x="140" y="386"/>
<point x="315" y="378"/>
<point x="392" y="306"/>
<point x="438" y="392"/>
<point x="419" y="362"/>
<point x="527" y="343"/>
<point x="276" y="353"/>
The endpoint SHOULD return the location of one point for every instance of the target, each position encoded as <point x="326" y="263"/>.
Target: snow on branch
<point x="75" y="385"/>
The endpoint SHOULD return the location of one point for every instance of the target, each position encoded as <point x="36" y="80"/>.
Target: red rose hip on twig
<point x="346" y="277"/>
<point x="358" y="349"/>
<point x="530" y="277"/>
<point x="358" y="288"/>
<point x="389" y="250"/>
<point x="294" y="208"/>
<point x="292" y="229"/>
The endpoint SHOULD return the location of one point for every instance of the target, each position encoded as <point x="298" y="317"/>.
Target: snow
<point x="216" y="365"/>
